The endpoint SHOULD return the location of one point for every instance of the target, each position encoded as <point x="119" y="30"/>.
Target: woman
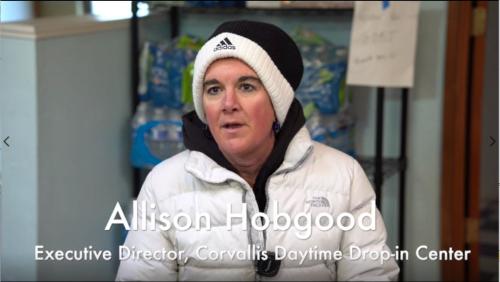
<point x="249" y="152"/>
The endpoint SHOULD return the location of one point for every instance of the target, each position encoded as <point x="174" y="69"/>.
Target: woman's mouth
<point x="232" y="126"/>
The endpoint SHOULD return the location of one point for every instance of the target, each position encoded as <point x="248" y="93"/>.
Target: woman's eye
<point x="214" y="90"/>
<point x="247" y="87"/>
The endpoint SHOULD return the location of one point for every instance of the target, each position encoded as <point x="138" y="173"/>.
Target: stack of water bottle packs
<point x="323" y="92"/>
<point x="165" y="95"/>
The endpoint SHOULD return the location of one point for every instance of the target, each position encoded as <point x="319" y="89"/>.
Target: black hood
<point x="198" y="138"/>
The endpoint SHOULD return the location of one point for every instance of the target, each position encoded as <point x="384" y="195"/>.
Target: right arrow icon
<point x="493" y="141"/>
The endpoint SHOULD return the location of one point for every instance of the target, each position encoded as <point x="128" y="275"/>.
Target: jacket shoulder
<point x="330" y="157"/>
<point x="169" y="177"/>
<point x="175" y="162"/>
<point x="330" y="165"/>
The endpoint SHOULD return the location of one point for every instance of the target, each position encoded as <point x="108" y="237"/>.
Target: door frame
<point x="461" y="145"/>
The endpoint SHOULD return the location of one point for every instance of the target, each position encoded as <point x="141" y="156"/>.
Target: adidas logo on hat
<point x="224" y="45"/>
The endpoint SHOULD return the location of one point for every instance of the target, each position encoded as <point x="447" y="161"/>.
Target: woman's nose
<point x="230" y="102"/>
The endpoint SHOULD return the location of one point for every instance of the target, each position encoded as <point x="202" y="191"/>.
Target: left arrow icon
<point x="5" y="141"/>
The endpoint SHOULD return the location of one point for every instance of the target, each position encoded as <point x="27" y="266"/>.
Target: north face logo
<point x="319" y="202"/>
<point x="224" y="45"/>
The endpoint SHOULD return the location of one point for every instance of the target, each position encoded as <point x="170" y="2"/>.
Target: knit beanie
<point x="266" y="48"/>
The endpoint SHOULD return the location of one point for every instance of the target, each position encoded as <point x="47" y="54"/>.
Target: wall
<point x="84" y="133"/>
<point x="18" y="110"/>
<point x="424" y="141"/>
<point x="65" y="102"/>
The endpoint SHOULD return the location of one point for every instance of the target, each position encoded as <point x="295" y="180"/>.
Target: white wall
<point x="424" y="141"/>
<point x="66" y="104"/>
<point x="19" y="161"/>
<point x="84" y="109"/>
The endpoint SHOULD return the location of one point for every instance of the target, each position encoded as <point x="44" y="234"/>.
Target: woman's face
<point x="238" y="109"/>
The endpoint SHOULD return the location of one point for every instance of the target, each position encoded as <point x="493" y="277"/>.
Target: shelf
<point x="292" y="10"/>
<point x="390" y="167"/>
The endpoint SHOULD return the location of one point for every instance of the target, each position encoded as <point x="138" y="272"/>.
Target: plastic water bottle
<point x="165" y="139"/>
<point x="142" y="116"/>
<point x="156" y="138"/>
<point x="175" y="140"/>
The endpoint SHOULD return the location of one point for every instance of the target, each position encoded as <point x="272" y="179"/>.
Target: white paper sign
<point x="383" y="42"/>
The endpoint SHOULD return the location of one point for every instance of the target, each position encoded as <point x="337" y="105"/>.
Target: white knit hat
<point x="267" y="49"/>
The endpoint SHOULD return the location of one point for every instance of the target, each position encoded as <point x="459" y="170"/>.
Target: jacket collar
<point x="204" y="168"/>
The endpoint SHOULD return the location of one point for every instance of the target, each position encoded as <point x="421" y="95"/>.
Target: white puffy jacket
<point x="313" y="178"/>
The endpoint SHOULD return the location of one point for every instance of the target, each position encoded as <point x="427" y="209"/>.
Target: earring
<point x="276" y="126"/>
